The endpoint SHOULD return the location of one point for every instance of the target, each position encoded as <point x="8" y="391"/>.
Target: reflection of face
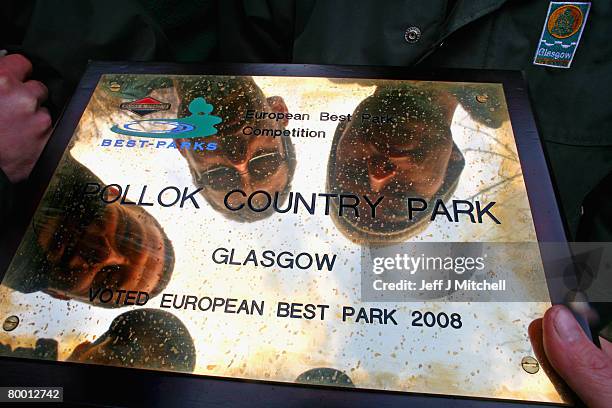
<point x="124" y="248"/>
<point x="143" y="338"/>
<point x="241" y="161"/>
<point x="406" y="159"/>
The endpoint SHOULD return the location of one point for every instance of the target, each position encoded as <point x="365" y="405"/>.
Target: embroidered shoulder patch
<point x="561" y="34"/>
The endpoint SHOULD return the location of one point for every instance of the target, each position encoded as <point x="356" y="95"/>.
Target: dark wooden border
<point x="100" y="385"/>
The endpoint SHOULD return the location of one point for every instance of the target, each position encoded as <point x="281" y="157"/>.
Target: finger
<point x="535" y="331"/>
<point x="37" y="89"/>
<point x="16" y="65"/>
<point x="42" y="121"/>
<point x="586" y="369"/>
<point x="535" y="335"/>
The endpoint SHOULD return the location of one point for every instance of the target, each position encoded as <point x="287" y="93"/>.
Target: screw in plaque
<point x="115" y="86"/>
<point x="530" y="364"/>
<point x="10" y="323"/>
<point x="482" y="98"/>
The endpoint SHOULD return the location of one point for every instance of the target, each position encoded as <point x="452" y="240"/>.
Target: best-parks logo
<point x="199" y="124"/>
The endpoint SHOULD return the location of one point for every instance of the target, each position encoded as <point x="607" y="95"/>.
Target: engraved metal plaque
<point x="224" y="225"/>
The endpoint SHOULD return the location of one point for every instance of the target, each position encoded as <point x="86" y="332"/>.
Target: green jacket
<point x="571" y="105"/>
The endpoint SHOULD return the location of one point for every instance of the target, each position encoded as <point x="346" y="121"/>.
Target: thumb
<point x="583" y="366"/>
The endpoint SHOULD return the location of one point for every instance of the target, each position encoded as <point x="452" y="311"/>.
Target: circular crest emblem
<point x="565" y="21"/>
